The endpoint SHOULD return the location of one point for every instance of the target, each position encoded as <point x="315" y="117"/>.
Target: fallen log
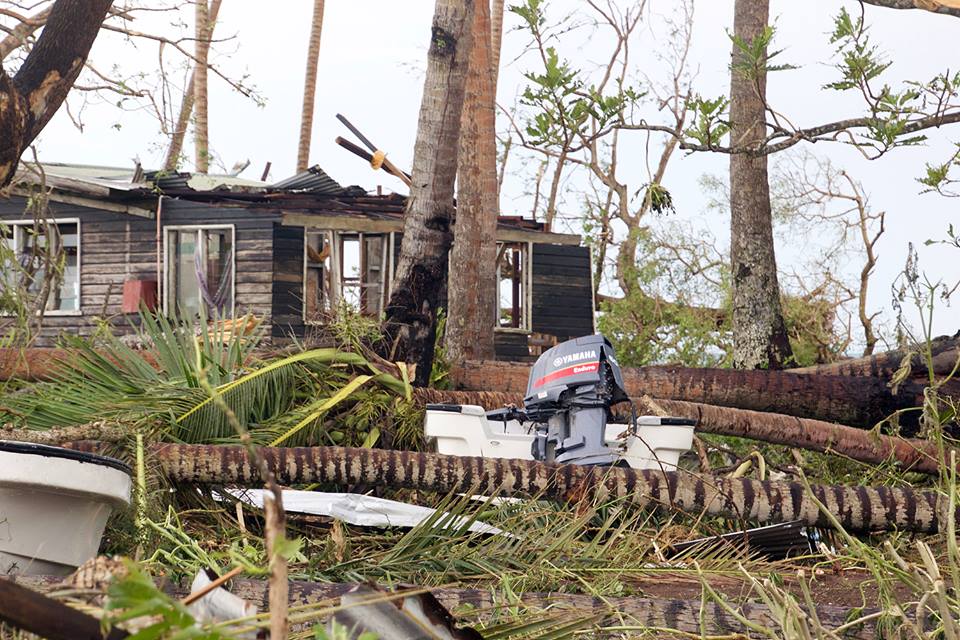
<point x="855" y="401"/>
<point x="30" y="611"/>
<point x="813" y="435"/>
<point x="856" y="508"/>
<point x="945" y="350"/>
<point x="679" y="614"/>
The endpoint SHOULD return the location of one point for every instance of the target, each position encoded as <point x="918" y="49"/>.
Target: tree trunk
<point x="201" y="134"/>
<point x="947" y="7"/>
<point x="472" y="285"/>
<point x="759" y="334"/>
<point x="812" y="435"/>
<point x="33" y="95"/>
<point x="411" y="314"/>
<point x="856" y="508"/>
<point x="172" y="161"/>
<point x="496" y="38"/>
<point x="853" y="401"/>
<point x="944" y="352"/>
<point x="310" y="88"/>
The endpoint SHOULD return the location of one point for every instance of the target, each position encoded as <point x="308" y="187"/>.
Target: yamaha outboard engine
<point x="569" y="394"/>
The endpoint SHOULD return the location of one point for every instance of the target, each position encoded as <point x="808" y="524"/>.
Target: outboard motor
<point x="571" y="389"/>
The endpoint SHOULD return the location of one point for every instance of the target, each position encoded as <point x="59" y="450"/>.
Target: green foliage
<point x="753" y="56"/>
<point x="938" y="176"/>
<point x="709" y="123"/>
<point x="564" y="109"/>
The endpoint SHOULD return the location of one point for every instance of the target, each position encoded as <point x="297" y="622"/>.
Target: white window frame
<point x="333" y="237"/>
<point x="526" y="310"/>
<point x="202" y="247"/>
<point x="29" y="222"/>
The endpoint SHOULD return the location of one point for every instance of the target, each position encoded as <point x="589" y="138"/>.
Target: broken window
<point x="199" y="270"/>
<point x="48" y="255"/>
<point x="354" y="268"/>
<point x="513" y="285"/>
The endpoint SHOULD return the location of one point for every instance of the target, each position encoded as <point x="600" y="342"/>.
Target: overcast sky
<point x="371" y="69"/>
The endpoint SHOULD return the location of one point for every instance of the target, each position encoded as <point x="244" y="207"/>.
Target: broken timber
<point x="856" y="508"/>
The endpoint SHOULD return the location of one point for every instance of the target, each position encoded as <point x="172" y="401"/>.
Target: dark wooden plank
<point x="49" y="618"/>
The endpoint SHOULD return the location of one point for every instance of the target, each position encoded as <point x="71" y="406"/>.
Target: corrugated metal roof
<point x="313" y="180"/>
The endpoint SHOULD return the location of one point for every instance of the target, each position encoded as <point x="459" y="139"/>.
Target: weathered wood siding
<point x="115" y="247"/>
<point x="287" y="281"/>
<point x="562" y="300"/>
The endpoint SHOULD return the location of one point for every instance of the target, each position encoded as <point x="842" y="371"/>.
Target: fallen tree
<point x="854" y="401"/>
<point x="856" y="508"/>
<point x="944" y="353"/>
<point x="813" y="435"/>
<point x="681" y="615"/>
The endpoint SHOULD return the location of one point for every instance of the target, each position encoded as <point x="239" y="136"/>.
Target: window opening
<point x="36" y="247"/>
<point x="513" y="267"/>
<point x="200" y="270"/>
<point x="342" y="266"/>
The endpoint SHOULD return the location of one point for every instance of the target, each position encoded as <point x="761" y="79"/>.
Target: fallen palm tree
<point x="854" y="401"/>
<point x="855" y="508"/>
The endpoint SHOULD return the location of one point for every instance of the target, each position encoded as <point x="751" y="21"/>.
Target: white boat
<point x="54" y="505"/>
<point x="464" y="430"/>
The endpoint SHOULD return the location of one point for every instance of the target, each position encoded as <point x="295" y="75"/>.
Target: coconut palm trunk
<point x="172" y="159"/>
<point x="200" y="126"/>
<point x="310" y="88"/>
<point x="472" y="286"/>
<point x="411" y="314"/>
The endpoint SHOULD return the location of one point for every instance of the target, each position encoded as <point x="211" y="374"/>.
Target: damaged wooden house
<point x="288" y="252"/>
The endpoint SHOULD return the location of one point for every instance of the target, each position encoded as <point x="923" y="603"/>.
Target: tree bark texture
<point x="411" y="315"/>
<point x="775" y="428"/>
<point x="172" y="161"/>
<point x="812" y="435"/>
<point x="944" y="352"/>
<point x="496" y="40"/>
<point x="200" y="125"/>
<point x="310" y="88"/>
<point x="947" y="7"/>
<point x="679" y="614"/>
<point x="663" y="613"/>
<point x="856" y="508"/>
<point x="759" y="334"/>
<point x="33" y="95"/>
<point x="853" y="401"/>
<point x="472" y="284"/>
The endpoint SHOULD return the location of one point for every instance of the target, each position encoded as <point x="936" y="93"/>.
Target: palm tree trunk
<point x="472" y="287"/>
<point x="310" y="88"/>
<point x="856" y="508"/>
<point x="201" y="133"/>
<point x="411" y="314"/>
<point x="759" y="333"/>
<point x="172" y="160"/>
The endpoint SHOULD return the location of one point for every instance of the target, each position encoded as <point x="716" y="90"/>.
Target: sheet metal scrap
<point x="395" y="616"/>
<point x="777" y="541"/>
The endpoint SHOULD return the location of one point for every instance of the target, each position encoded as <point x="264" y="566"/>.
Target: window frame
<point x="526" y="309"/>
<point x="165" y="296"/>
<point x="335" y="237"/>
<point x="24" y="222"/>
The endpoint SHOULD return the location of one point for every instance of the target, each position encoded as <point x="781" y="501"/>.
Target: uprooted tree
<point x="29" y="99"/>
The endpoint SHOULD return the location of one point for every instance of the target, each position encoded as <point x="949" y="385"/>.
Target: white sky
<point x="371" y="61"/>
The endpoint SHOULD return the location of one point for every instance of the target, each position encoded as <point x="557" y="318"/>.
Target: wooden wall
<point x="115" y="247"/>
<point x="287" y="281"/>
<point x="562" y="304"/>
